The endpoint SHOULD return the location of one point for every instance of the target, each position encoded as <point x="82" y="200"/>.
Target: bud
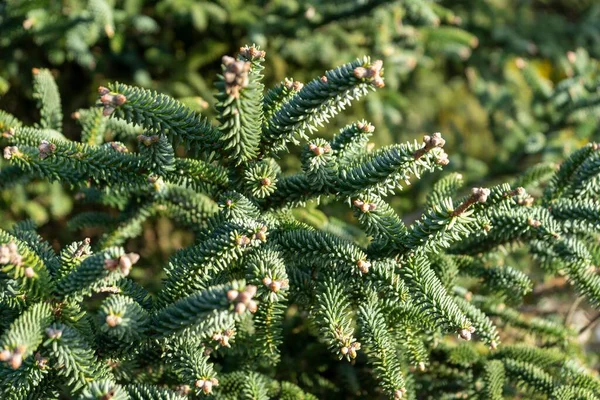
<point x="5" y="355"/>
<point x="29" y="272"/>
<point x="11" y="151"/>
<point x="16" y="361"/>
<point x="232" y="294"/>
<point x="363" y="266"/>
<point x="113" y="320"/>
<point x="252" y="306"/>
<point x="266" y="181"/>
<point x="480" y="195"/>
<point x="534" y="223"/>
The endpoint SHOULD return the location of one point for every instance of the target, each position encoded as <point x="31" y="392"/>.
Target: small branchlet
<point x="478" y="195"/>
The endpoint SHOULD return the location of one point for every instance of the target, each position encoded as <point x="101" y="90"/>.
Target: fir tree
<point x="394" y="309"/>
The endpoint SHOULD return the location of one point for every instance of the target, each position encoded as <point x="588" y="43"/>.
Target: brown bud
<point x="252" y="306"/>
<point x="465" y="334"/>
<point x="251" y="290"/>
<point x="324" y="79"/>
<point x="363" y="266"/>
<point x="275" y="286"/>
<point x="113" y="320"/>
<point x="240" y="308"/>
<point x="266" y="181"/>
<point x="11" y="151"/>
<point x="5" y="355"/>
<point x="103" y="90"/>
<point x="232" y="294"/>
<point x="16" y="361"/>
<point x="480" y="195"/>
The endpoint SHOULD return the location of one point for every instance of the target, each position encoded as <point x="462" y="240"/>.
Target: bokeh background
<point x="509" y="83"/>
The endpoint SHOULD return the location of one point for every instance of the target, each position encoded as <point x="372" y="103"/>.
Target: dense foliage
<point x="390" y="301"/>
<point x="258" y="238"/>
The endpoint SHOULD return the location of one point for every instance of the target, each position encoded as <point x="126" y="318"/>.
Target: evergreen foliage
<point x="394" y="313"/>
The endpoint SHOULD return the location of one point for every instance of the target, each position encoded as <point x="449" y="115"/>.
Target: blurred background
<point x="509" y="83"/>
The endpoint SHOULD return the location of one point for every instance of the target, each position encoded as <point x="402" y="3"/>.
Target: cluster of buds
<point x="365" y="127"/>
<point x="465" y="333"/>
<point x="119" y="147"/>
<point x="11" y="151"/>
<point x="13" y="358"/>
<point x="9" y="254"/>
<point x="431" y="142"/>
<point x="242" y="241"/>
<point x="291" y="84"/>
<point x="46" y="148"/>
<point x="266" y="181"/>
<point x="148" y="140"/>
<point x="183" y="390"/>
<point x="252" y="53"/>
<point x="235" y="75"/>
<point x="110" y="101"/>
<point x="40" y="362"/>
<point x="478" y="195"/>
<point x="54" y="333"/>
<point x="113" y="320"/>
<point x="534" y="223"/>
<point x="350" y="350"/>
<point x="319" y="150"/>
<point x="372" y="72"/>
<point x="275" y="284"/>
<point x="399" y="393"/>
<point x="223" y="337"/>
<point x="363" y="266"/>
<point x="206" y="385"/>
<point x="9" y="133"/>
<point x="123" y="263"/>
<point x="243" y="300"/>
<point x="365" y="206"/>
